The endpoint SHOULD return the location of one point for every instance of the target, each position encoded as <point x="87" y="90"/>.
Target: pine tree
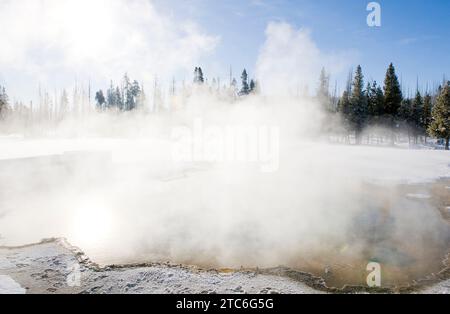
<point x="252" y="87"/>
<point x="100" y="99"/>
<point x="118" y="98"/>
<point x="3" y="101"/>
<point x="440" y="125"/>
<point x="416" y="115"/>
<point x="404" y="116"/>
<point x="127" y="92"/>
<point x="392" y="92"/>
<point x="392" y="98"/>
<point x="64" y="103"/>
<point x="343" y="108"/>
<point x="323" y="92"/>
<point x="198" y="76"/>
<point x="111" y="96"/>
<point x="426" y="113"/>
<point x="201" y="79"/>
<point x="245" y="90"/>
<point x="135" y="92"/>
<point x="375" y="102"/>
<point x="358" y="105"/>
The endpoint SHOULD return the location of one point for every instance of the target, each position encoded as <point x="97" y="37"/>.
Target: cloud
<point x="290" y="59"/>
<point x="103" y="38"/>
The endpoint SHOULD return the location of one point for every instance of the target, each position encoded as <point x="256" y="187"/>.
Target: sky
<point x="53" y="43"/>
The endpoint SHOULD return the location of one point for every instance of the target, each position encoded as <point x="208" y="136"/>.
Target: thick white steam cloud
<point x="113" y="187"/>
<point x="51" y="40"/>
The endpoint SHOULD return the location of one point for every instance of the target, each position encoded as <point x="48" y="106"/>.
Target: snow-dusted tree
<point x="3" y="100"/>
<point x="440" y="125"/>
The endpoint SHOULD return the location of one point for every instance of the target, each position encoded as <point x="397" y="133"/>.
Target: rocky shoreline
<point x="53" y="266"/>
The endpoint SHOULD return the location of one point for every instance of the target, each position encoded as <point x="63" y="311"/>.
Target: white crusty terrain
<point x="48" y="267"/>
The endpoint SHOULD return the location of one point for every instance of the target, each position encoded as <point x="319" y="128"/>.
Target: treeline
<point x="363" y="107"/>
<point x="131" y="95"/>
<point x="128" y="96"/>
<point x="3" y="101"/>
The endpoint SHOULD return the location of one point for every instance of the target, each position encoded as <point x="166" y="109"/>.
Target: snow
<point x="45" y="267"/>
<point x="419" y="196"/>
<point x="5" y="264"/>
<point x="9" y="286"/>
<point x="371" y="163"/>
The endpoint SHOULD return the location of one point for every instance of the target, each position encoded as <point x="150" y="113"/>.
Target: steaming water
<point x="123" y="201"/>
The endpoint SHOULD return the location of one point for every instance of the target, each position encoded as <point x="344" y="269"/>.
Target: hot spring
<point x="323" y="212"/>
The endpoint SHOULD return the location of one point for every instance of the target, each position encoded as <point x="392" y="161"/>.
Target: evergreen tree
<point x="404" y="116"/>
<point x="323" y="92"/>
<point x="3" y="101"/>
<point x="135" y="92"/>
<point x="343" y="108"/>
<point x="64" y="103"/>
<point x="201" y="79"/>
<point x="100" y="99"/>
<point x="111" y="96"/>
<point x="392" y="98"/>
<point x="440" y="125"/>
<point x="358" y="105"/>
<point x="370" y="95"/>
<point x="245" y="87"/>
<point x="198" y="76"/>
<point x="252" y="86"/>
<point x="375" y="102"/>
<point x="118" y="98"/>
<point x="426" y="113"/>
<point x="127" y="92"/>
<point x="416" y="115"/>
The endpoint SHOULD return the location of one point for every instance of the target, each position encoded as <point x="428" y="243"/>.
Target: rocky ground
<point x="53" y="266"/>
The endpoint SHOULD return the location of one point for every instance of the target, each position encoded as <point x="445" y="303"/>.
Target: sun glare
<point x="91" y="224"/>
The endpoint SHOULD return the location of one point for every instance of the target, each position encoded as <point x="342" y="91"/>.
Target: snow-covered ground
<point x="52" y="267"/>
<point x="9" y="286"/>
